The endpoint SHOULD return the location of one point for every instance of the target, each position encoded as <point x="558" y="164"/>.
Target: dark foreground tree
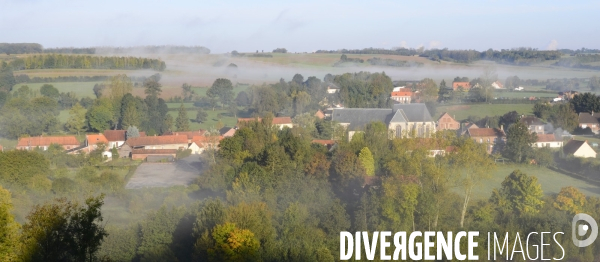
<point x="64" y="231"/>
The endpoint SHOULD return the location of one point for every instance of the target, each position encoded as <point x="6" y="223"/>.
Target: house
<point x="319" y="114"/>
<point x="494" y="138"/>
<point x="331" y="89"/>
<point x="589" y="120"/>
<point x="92" y="141"/>
<point x="227" y="131"/>
<point x="497" y="85"/>
<point x="534" y="124"/>
<point x="402" y="95"/>
<point x="190" y="134"/>
<point x="158" y="142"/>
<point x="327" y="143"/>
<point x="403" y="120"/>
<point x="547" y="140"/>
<point x="43" y="142"/>
<point x="520" y="88"/>
<point x="447" y="122"/>
<point x="143" y="154"/>
<point x="579" y="149"/>
<point x="466" y="86"/>
<point x="201" y="143"/>
<point x="280" y="122"/>
<point x="116" y="138"/>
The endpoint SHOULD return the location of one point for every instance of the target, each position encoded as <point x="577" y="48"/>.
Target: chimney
<point x="502" y="127"/>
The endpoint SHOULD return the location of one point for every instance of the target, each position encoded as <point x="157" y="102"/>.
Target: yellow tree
<point x="471" y="161"/>
<point x="9" y="229"/>
<point x="233" y="244"/>
<point x="570" y="199"/>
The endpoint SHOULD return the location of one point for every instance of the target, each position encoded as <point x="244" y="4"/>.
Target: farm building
<point x="143" y="154"/>
<point x="43" y="142"/>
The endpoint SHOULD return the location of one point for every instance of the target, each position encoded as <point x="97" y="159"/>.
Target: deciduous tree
<point x="182" y="123"/>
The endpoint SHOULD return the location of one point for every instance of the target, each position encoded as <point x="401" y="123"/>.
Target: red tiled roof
<point x="465" y="85"/>
<point x="320" y="114"/>
<point x="204" y="139"/>
<point x="189" y="134"/>
<point x="115" y="135"/>
<point x="157" y="140"/>
<point x="323" y="142"/>
<point x="154" y="151"/>
<point x="546" y="138"/>
<point x="47" y="140"/>
<point x="485" y="132"/>
<point x="402" y="93"/>
<point x="95" y="139"/>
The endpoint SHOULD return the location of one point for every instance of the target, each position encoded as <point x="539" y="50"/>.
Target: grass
<point x="82" y="89"/>
<point x="177" y="105"/>
<point x="211" y="122"/>
<point x="550" y="180"/>
<point x="461" y="112"/>
<point x="8" y="143"/>
<point x="521" y="94"/>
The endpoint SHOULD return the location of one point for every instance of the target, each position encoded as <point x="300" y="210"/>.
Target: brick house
<point x="447" y="122"/>
<point x="465" y="85"/>
<point x="589" y="120"/>
<point x="43" y="142"/>
<point x="402" y="95"/>
<point x="494" y="138"/>
<point x="534" y="124"/>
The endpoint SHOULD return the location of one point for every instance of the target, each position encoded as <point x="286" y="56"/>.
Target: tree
<point x="9" y="229"/>
<point x="100" y="115"/>
<point x="570" y="199"/>
<point x="298" y="79"/>
<point x="76" y="122"/>
<point x="564" y="116"/>
<point x="586" y="102"/>
<point x="520" y="193"/>
<point x="187" y="92"/>
<point x="167" y="124"/>
<point x="366" y="160"/>
<point x="201" y="116"/>
<point x="233" y="244"/>
<point x="132" y="131"/>
<point x="242" y="99"/>
<point x="49" y="91"/>
<point x="509" y="118"/>
<point x="543" y="156"/>
<point x="114" y="153"/>
<point x="98" y="90"/>
<point x="152" y="85"/>
<point x="429" y="90"/>
<point x="182" y="123"/>
<point x="64" y="231"/>
<point x="594" y="83"/>
<point x="222" y="88"/>
<point x="518" y="142"/>
<point x="119" y="86"/>
<point x="474" y="164"/>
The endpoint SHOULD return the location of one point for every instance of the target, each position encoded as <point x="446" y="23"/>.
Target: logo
<point x="582" y="229"/>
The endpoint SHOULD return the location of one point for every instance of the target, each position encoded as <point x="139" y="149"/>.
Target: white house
<point x="579" y="149"/>
<point x="547" y="140"/>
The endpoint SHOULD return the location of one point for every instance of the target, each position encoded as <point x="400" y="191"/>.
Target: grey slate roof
<point x="588" y="118"/>
<point x="360" y="117"/>
<point x="415" y="112"/>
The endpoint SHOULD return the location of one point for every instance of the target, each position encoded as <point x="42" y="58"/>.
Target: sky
<point x="303" y="26"/>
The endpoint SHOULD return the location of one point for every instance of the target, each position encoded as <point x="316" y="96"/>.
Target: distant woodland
<point x="56" y="61"/>
<point x="33" y="48"/>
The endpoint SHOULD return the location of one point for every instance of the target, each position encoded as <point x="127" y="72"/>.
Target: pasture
<point x="550" y="180"/>
<point x="461" y="112"/>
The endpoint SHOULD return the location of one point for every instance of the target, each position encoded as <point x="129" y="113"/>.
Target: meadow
<point x="82" y="89"/>
<point x="461" y="112"/>
<point x="550" y="181"/>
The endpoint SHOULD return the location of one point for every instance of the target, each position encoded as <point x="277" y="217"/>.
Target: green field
<point x="82" y="89"/>
<point x="211" y="122"/>
<point x="521" y="94"/>
<point x="177" y="105"/>
<point x="461" y="112"/>
<point x="551" y="181"/>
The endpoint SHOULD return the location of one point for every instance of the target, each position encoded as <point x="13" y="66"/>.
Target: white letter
<point x="457" y="253"/>
<point x="488" y="240"/>
<point x="472" y="245"/>
<point x="563" y="250"/>
<point x="370" y="250"/>
<point x="343" y="236"/>
<point x="357" y="250"/>
<point x="412" y="244"/>
<point x="537" y="248"/>
<point x="517" y="238"/>
<point x="384" y="245"/>
<point x="496" y="244"/>
<point x="427" y="245"/>
<point x="399" y="245"/>
<point x="443" y="244"/>
<point x="542" y="245"/>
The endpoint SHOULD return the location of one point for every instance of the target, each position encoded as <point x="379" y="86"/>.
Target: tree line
<point x="55" y="61"/>
<point x="35" y="48"/>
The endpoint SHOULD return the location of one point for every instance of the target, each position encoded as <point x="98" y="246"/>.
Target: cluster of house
<point x="142" y="147"/>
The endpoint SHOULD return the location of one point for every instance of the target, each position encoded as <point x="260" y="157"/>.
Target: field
<point x="522" y="94"/>
<point x="461" y="112"/>
<point x="82" y="89"/>
<point x="551" y="181"/>
<point x="212" y="119"/>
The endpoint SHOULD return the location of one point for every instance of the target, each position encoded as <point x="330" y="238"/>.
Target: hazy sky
<point x="303" y="26"/>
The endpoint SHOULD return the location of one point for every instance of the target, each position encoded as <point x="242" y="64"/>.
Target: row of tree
<point x="56" y="61"/>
